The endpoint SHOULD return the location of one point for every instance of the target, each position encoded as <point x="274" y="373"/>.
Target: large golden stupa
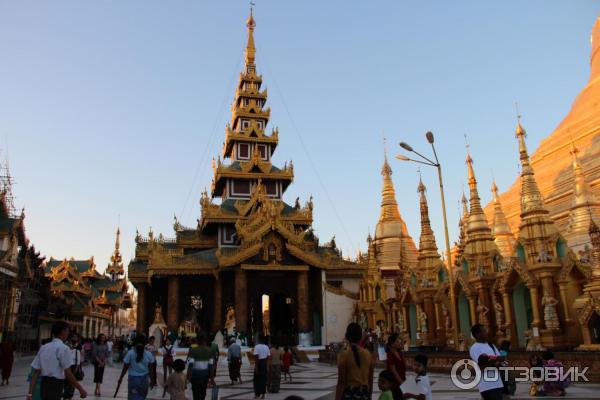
<point x="568" y="197"/>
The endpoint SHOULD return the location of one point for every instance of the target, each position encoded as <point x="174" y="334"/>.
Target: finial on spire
<point x="520" y="131"/>
<point x="250" y="49"/>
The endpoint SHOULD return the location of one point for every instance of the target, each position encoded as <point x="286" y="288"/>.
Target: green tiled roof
<point x="209" y="255"/>
<point x="228" y="205"/>
<point x="138" y="266"/>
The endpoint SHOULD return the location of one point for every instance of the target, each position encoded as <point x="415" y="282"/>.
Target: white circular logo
<point x="465" y="374"/>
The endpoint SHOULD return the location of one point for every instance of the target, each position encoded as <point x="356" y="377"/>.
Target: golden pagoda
<point x="370" y="310"/>
<point x="552" y="160"/>
<point x="394" y="248"/>
<point x="431" y="275"/>
<point x="251" y="251"/>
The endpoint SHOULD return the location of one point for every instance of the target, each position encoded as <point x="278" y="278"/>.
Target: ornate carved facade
<point x="88" y="300"/>
<point x="251" y="251"/>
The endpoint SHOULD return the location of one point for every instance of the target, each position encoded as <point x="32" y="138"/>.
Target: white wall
<point x="338" y="314"/>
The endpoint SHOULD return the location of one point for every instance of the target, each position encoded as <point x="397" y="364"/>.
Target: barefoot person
<point x="52" y="365"/>
<point x="99" y="358"/>
<point x="486" y="355"/>
<point x="355" y="368"/>
<point x="234" y="359"/>
<point x="137" y="362"/>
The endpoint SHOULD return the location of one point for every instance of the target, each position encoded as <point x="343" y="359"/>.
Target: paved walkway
<point x="311" y="381"/>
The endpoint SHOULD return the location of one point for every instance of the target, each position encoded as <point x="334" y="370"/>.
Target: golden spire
<point x="427" y="245"/>
<point x="584" y="205"/>
<point x="250" y="49"/>
<point x="395" y="248"/>
<point x="115" y="267"/>
<point x="477" y="220"/>
<point x="389" y="206"/>
<point x="501" y="230"/>
<point x="531" y="198"/>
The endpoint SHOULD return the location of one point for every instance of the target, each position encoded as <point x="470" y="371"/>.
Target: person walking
<point x="151" y="347"/>
<point x="214" y="348"/>
<point x="287" y="360"/>
<point x="73" y="343"/>
<point x="137" y="362"/>
<point x="176" y="383"/>
<point x="234" y="360"/>
<point x="99" y="358"/>
<point x="486" y="355"/>
<point x="199" y="361"/>
<point x="7" y="350"/>
<point x="261" y="368"/>
<point x="396" y="364"/>
<point x="109" y="346"/>
<point x="52" y="365"/>
<point x="168" y="354"/>
<point x="275" y="369"/>
<point x="355" y="368"/>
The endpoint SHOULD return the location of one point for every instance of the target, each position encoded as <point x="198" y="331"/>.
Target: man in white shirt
<point x="52" y="365"/>
<point x="486" y="355"/>
<point x="109" y="347"/>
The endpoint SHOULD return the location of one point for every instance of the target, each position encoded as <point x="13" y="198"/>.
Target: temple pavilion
<point x="253" y="263"/>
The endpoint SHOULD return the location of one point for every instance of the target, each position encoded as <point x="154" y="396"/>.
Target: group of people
<point x="356" y="365"/>
<point x="487" y="355"/>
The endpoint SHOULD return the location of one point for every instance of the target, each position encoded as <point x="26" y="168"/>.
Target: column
<point x="84" y="328"/>
<point x="241" y="299"/>
<point x="405" y="318"/>
<point x="473" y="310"/>
<point x="217" y="324"/>
<point x="173" y="303"/>
<point x="142" y="305"/>
<point x="585" y="332"/>
<point x="507" y="313"/>
<point x="535" y="305"/>
<point x="303" y="313"/>
<point x="563" y="299"/>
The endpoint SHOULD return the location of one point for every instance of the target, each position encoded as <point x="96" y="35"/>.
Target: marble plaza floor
<point x="311" y="381"/>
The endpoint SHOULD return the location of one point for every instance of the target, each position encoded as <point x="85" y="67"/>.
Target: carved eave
<point x="248" y="172"/>
<point x="514" y="268"/>
<point x="250" y="113"/>
<point x="251" y="134"/>
<point x="249" y="76"/>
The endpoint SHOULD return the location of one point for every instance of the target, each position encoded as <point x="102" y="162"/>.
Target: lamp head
<point x="406" y="146"/>
<point x="429" y="136"/>
<point x="402" y="157"/>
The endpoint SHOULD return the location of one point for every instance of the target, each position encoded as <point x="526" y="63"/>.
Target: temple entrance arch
<point x="522" y="311"/>
<point x="273" y="306"/>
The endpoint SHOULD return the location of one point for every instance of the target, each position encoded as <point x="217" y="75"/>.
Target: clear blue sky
<point x="112" y="108"/>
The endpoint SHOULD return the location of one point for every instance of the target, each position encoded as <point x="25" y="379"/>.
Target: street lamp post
<point x="436" y="164"/>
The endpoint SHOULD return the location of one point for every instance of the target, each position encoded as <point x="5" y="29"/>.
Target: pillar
<point x="217" y="324"/>
<point x="303" y="309"/>
<point x="173" y="303"/>
<point x="473" y="310"/>
<point x="535" y="305"/>
<point x="585" y="332"/>
<point x="241" y="299"/>
<point x="507" y="315"/>
<point x="563" y="299"/>
<point x="142" y="305"/>
<point x="405" y="317"/>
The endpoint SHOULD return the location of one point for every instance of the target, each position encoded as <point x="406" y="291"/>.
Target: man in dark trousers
<point x="52" y="365"/>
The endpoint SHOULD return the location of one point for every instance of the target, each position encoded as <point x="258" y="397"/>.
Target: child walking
<point x="385" y="383"/>
<point x="422" y="380"/>
<point x="286" y="362"/>
<point x="177" y="381"/>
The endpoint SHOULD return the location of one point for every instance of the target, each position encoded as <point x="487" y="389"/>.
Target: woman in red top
<point x="395" y="363"/>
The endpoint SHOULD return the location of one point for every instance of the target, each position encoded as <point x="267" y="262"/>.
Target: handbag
<point x="78" y="371"/>
<point x="214" y="393"/>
